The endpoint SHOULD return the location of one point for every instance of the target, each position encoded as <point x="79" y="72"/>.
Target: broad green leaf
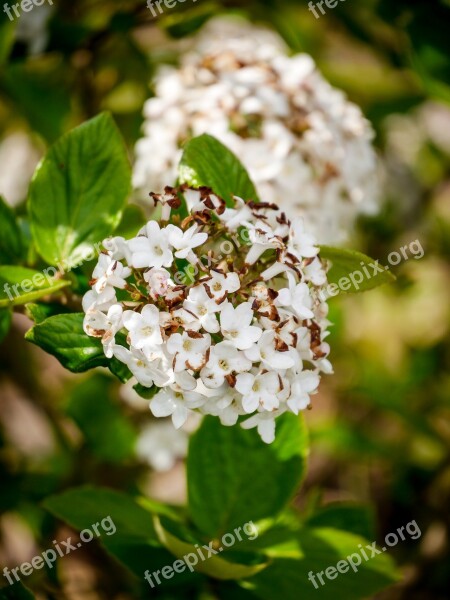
<point x="234" y="477"/>
<point x="82" y="507"/>
<point x="352" y="271"/>
<point x="352" y="518"/>
<point x="41" y="96"/>
<point x="214" y="566"/>
<point x="39" y="311"/>
<point x="17" y="591"/>
<point x="107" y="433"/>
<point x="318" y="550"/>
<point x="207" y="162"/>
<point x="63" y="337"/>
<point x="5" y="322"/>
<point x="133" y="220"/>
<point x="19" y="285"/>
<point x="11" y="245"/>
<point x="120" y="370"/>
<point x="79" y="190"/>
<point x="139" y="555"/>
<point x="280" y="539"/>
<point x="146" y="393"/>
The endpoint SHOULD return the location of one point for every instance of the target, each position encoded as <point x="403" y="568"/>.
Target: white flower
<point x="266" y="352"/>
<point x="224" y="359"/>
<point x="234" y="217"/>
<point x="146" y="371"/>
<point x="160" y="445"/>
<point x="225" y="404"/>
<point x="200" y="304"/>
<point x="265" y="423"/>
<point x="220" y="285"/>
<point x="262" y="238"/>
<point x="302" y="385"/>
<point x="144" y="329"/>
<point x="236" y="325"/>
<point x="185" y="242"/>
<point x="298" y="297"/>
<point x="189" y="349"/>
<point x="300" y="243"/>
<point x="175" y="403"/>
<point x="151" y="249"/>
<point x="158" y="282"/>
<point x="97" y="324"/>
<point x="117" y="248"/>
<point x="315" y="273"/>
<point x="93" y="300"/>
<point x="258" y="390"/>
<point x="109" y="272"/>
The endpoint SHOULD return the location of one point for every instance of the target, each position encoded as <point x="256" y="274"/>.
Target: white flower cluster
<point x="307" y="148"/>
<point x="221" y="310"/>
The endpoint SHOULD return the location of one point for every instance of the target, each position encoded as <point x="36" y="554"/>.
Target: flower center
<point x="217" y="287"/>
<point x="158" y="250"/>
<point x="187" y="345"/>
<point x="224" y="365"/>
<point x="147" y="330"/>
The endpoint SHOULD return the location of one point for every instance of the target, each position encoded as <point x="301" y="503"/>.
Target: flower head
<point x="229" y="336"/>
<point x="307" y="148"/>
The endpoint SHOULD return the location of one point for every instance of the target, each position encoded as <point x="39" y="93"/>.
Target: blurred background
<point x="380" y="427"/>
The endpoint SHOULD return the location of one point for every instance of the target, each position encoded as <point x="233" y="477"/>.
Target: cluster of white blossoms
<point x="222" y="309"/>
<point x="306" y="147"/>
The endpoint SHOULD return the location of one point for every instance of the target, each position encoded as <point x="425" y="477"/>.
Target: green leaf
<point x="82" y="507"/>
<point x="40" y="94"/>
<point x="132" y="221"/>
<point x="19" y="285"/>
<point x="234" y="477"/>
<point x="62" y="336"/>
<point x="139" y="555"/>
<point x="352" y="271"/>
<point x="11" y="244"/>
<point x="79" y="190"/>
<point x="207" y="162"/>
<point x="319" y="549"/>
<point x="352" y="518"/>
<point x="107" y="433"/>
<point x="214" y="566"/>
<point x="40" y="311"/>
<point x="146" y="393"/>
<point x="5" y="323"/>
<point x="17" y="591"/>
